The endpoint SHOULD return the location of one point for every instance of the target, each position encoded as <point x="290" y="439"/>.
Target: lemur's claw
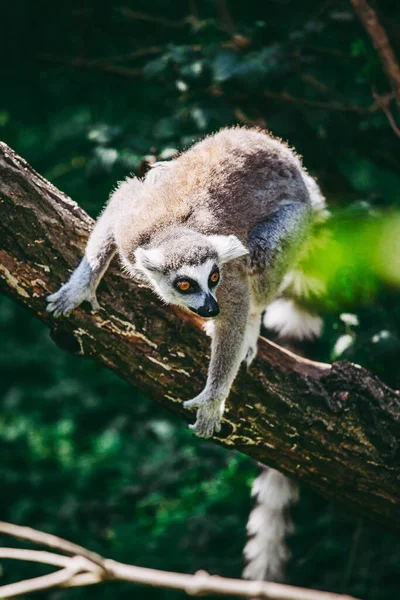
<point x="205" y="428"/>
<point x="208" y="418"/>
<point x="192" y="404"/>
<point x="65" y="300"/>
<point x="59" y="304"/>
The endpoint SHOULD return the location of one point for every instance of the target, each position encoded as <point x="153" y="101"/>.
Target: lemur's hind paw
<point x="208" y="417"/>
<point x="69" y="297"/>
<point x="209" y="328"/>
<point x="250" y="356"/>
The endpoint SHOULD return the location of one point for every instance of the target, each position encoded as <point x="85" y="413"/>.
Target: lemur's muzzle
<point x="209" y="309"/>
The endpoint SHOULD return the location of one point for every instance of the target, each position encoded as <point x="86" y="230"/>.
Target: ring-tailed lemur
<point x="218" y="231"/>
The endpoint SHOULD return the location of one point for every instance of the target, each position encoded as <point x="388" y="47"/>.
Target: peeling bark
<point x="336" y="427"/>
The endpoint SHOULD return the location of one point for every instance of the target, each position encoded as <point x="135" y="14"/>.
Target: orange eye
<point x="183" y="286"/>
<point x="215" y="277"/>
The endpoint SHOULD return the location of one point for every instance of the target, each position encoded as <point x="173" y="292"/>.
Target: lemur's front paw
<point x="69" y="297"/>
<point x="209" y="414"/>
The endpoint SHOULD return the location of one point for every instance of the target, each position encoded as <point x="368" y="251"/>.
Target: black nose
<point x="209" y="309"/>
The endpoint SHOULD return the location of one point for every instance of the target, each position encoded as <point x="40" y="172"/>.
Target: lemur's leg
<point x="83" y="282"/>
<point x="227" y="348"/>
<point x="251" y="336"/>
<point x="99" y="251"/>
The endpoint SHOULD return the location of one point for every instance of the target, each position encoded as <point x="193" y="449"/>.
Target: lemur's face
<point x="186" y="269"/>
<point x="193" y="287"/>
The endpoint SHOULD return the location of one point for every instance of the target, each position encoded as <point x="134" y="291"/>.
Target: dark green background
<point x="81" y="453"/>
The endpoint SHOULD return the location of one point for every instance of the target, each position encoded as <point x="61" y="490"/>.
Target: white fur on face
<point x="199" y="273"/>
<point x="147" y="260"/>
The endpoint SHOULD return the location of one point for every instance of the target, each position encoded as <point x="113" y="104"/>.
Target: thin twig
<point x="380" y="40"/>
<point x="39" y="556"/>
<point x="383" y="102"/>
<point x="285" y="97"/>
<point x="335" y="52"/>
<point x="322" y="87"/>
<point x="203" y="584"/>
<point x="227" y="23"/>
<point x="56" y="579"/>
<point x="136" y="15"/>
<point x="82" y="570"/>
<point x="52" y="541"/>
<point x="93" y="65"/>
<point x="93" y="574"/>
<point x="128" y="56"/>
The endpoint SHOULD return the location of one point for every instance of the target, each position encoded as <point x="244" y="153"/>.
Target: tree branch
<point x="105" y="65"/>
<point x="136" y="15"/>
<point x="79" y="570"/>
<point x="352" y="108"/>
<point x="380" y="40"/>
<point x="383" y="103"/>
<point x="336" y="427"/>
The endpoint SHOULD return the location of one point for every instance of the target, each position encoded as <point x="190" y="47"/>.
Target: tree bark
<point x="336" y="427"/>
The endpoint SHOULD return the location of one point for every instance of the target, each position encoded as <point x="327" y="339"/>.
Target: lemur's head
<point x="184" y="267"/>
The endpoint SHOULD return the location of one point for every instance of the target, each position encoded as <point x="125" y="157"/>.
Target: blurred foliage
<point x="92" y="91"/>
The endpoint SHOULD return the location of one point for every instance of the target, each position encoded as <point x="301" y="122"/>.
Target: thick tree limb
<point x="78" y="570"/>
<point x="336" y="427"/>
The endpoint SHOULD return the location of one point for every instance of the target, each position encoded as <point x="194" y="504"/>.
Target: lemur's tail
<point x="269" y="522"/>
<point x="268" y="526"/>
<point x="289" y="317"/>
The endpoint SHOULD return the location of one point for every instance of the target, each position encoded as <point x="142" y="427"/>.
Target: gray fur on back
<point x="224" y="184"/>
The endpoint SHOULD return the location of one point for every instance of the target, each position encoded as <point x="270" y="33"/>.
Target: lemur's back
<point x="224" y="184"/>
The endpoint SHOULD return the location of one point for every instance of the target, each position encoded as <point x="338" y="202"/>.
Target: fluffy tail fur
<point x="269" y="524"/>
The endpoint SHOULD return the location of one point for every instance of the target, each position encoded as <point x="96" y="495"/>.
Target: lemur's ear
<point x="228" y="247"/>
<point x="158" y="171"/>
<point x="148" y="260"/>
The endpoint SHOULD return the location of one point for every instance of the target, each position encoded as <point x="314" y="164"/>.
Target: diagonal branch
<point x="336" y="427"/>
<point x="380" y="40"/>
